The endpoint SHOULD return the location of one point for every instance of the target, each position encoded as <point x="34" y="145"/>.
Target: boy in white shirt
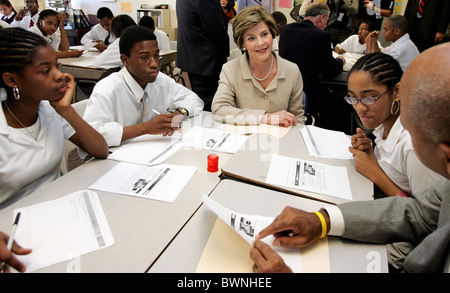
<point x="101" y="32"/>
<point x="357" y="43"/>
<point x="161" y="37"/>
<point x="122" y="106"/>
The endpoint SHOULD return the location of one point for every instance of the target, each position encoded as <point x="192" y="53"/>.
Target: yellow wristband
<point x="324" y="224"/>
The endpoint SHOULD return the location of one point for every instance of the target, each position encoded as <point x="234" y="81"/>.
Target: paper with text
<point x="147" y="149"/>
<point x="213" y="139"/>
<point x="272" y="130"/>
<point x="309" y="176"/>
<point x="248" y="227"/>
<point x="324" y="143"/>
<point x="62" y="229"/>
<point x="162" y="182"/>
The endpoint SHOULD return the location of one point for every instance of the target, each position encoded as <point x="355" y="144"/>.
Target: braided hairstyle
<point x="383" y="68"/>
<point x="17" y="50"/>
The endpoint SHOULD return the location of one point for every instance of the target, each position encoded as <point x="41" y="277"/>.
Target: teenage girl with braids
<point x="392" y="164"/>
<point x="48" y="23"/>
<point x="36" y="115"/>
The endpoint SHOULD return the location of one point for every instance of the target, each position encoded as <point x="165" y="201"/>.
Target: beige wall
<point x="20" y="4"/>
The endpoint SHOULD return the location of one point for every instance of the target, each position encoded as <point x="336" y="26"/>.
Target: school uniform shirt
<point x="352" y="45"/>
<point x="26" y="164"/>
<point x="403" y="50"/>
<point x="9" y="18"/>
<point x="163" y="40"/>
<point x="26" y="21"/>
<point x="97" y="33"/>
<point x="398" y="160"/>
<point x="116" y="102"/>
<point x="53" y="40"/>
<point x="110" y="58"/>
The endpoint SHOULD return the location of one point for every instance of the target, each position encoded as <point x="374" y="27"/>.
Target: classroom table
<point x="141" y="228"/>
<point x="251" y="164"/>
<point x="186" y="250"/>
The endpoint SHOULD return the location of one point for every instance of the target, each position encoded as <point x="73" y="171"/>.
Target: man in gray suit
<point x="423" y="220"/>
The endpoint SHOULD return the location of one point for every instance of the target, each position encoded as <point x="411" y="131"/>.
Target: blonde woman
<point x="260" y="86"/>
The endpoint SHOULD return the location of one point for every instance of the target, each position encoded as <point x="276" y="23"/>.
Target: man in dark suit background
<point x="427" y="24"/>
<point x="203" y="45"/>
<point x="309" y="46"/>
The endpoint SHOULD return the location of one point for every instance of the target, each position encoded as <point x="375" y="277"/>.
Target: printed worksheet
<point x="161" y="182"/>
<point x="309" y="176"/>
<point x="213" y="139"/>
<point x="325" y="143"/>
<point x="62" y="229"/>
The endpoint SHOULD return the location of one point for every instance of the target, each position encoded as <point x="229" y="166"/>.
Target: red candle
<point x="213" y="163"/>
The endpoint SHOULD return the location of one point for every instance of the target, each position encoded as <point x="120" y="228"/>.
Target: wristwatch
<point x="183" y="111"/>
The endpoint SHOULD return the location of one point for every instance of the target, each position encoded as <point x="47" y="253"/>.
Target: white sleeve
<point x="337" y="224"/>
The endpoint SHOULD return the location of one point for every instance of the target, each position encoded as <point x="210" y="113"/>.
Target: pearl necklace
<point x="270" y="70"/>
<point x="21" y="124"/>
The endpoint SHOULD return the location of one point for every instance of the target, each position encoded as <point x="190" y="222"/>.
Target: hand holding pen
<point x="8" y="247"/>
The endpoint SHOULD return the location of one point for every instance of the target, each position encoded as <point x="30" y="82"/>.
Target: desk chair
<point x="68" y="145"/>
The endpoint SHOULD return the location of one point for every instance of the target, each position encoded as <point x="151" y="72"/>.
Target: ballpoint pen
<point x="157" y="113"/>
<point x="11" y="240"/>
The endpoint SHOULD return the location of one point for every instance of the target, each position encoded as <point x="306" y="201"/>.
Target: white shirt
<point x="110" y="58"/>
<point x="403" y="50"/>
<point x="53" y="40"/>
<point x="163" y="40"/>
<point x="97" y="33"/>
<point x="398" y="160"/>
<point x="352" y="45"/>
<point x="116" y="102"/>
<point x="26" y="164"/>
<point x="26" y="20"/>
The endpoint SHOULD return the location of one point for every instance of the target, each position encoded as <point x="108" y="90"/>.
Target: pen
<point x="11" y="239"/>
<point x="157" y="113"/>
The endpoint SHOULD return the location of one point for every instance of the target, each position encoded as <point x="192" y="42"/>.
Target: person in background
<point x="375" y="10"/>
<point x="392" y="164"/>
<point x="203" y="45"/>
<point x="427" y="22"/>
<point x="342" y="22"/>
<point x="27" y="17"/>
<point x="161" y="37"/>
<point x="110" y="58"/>
<point x="101" y="32"/>
<point x="309" y="46"/>
<point x="8" y="11"/>
<point x="267" y="4"/>
<point x="357" y="43"/>
<point x="36" y="116"/>
<point x="260" y="86"/>
<point x="126" y="104"/>
<point x="228" y="11"/>
<point x="50" y="25"/>
<point x="394" y="30"/>
<point x="280" y="20"/>
<point x="423" y="220"/>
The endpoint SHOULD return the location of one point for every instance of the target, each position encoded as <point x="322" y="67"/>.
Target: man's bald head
<point x="425" y="97"/>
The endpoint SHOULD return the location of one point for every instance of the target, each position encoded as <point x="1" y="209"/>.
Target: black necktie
<point x="106" y="42"/>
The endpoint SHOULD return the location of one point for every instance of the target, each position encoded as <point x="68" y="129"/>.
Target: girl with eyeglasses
<point x="391" y="165"/>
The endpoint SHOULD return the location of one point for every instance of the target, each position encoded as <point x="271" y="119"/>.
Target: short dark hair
<point x="132" y="35"/>
<point x="120" y="23"/>
<point x="147" y="21"/>
<point x="370" y="23"/>
<point x="103" y="12"/>
<point x="47" y="12"/>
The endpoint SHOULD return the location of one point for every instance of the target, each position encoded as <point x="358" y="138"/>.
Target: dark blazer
<point x="423" y="220"/>
<point x="310" y="48"/>
<point x="435" y="18"/>
<point x="203" y="42"/>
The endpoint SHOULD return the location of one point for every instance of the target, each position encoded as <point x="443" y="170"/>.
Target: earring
<point x="16" y="93"/>
<point x="392" y="107"/>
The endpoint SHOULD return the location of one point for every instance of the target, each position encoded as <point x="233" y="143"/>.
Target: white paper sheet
<point x="248" y="227"/>
<point x="62" y="229"/>
<point x="309" y="176"/>
<point x="324" y="143"/>
<point x="272" y="130"/>
<point x="162" y="182"/>
<point x="147" y="149"/>
<point x="213" y="139"/>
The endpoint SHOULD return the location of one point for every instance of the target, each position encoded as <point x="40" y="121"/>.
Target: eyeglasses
<point x="365" y="101"/>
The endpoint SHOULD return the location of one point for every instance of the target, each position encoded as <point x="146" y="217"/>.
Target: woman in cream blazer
<point x="260" y="86"/>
